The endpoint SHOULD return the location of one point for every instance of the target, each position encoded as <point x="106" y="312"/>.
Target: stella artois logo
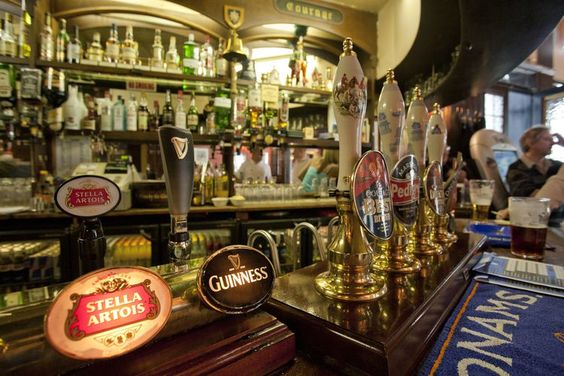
<point x="180" y="146"/>
<point x="233" y="16"/>
<point x="87" y="196"/>
<point x="108" y="312"/>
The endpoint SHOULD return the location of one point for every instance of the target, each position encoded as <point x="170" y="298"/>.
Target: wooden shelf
<point x="14" y="60"/>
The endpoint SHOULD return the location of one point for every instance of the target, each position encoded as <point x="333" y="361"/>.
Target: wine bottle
<point x="168" y="111"/>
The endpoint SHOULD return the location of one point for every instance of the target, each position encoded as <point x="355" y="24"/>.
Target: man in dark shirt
<point x="528" y="174"/>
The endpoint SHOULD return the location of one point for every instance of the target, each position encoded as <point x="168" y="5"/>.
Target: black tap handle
<point x="91" y="245"/>
<point x="177" y="152"/>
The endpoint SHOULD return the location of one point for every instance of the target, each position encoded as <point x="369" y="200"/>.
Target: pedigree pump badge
<point x="108" y="313"/>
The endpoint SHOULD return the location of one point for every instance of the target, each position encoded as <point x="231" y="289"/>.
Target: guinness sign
<point x="236" y="279"/>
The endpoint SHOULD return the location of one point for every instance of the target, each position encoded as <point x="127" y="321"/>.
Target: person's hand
<point x="318" y="163"/>
<point x="557" y="139"/>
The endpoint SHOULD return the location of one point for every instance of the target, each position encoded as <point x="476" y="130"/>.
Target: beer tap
<point x="177" y="150"/>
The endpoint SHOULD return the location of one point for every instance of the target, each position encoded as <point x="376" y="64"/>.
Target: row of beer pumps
<point x="391" y="204"/>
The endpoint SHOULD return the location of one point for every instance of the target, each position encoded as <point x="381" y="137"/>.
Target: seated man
<point x="528" y="174"/>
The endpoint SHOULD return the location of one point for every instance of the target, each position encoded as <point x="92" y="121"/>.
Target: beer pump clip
<point x="88" y="197"/>
<point x="177" y="151"/>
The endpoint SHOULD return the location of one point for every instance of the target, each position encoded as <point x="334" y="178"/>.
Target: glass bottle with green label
<point x="192" y="116"/>
<point x="222" y="109"/>
<point x="191" y="60"/>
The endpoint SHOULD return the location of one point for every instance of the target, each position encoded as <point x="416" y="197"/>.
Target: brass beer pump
<point x="349" y="255"/>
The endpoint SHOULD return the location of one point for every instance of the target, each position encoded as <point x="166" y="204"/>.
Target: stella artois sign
<point x="108" y="313"/>
<point x="87" y="196"/>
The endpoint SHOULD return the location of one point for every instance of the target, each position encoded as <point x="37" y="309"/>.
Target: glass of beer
<point x="481" y="195"/>
<point x="528" y="217"/>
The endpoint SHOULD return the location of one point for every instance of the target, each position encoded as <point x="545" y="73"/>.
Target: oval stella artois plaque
<point x="371" y="195"/>
<point x="87" y="196"/>
<point x="236" y="279"/>
<point x="434" y="192"/>
<point x="404" y="184"/>
<point x="108" y="313"/>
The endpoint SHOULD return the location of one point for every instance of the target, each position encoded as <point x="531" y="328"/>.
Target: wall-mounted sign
<point x="405" y="189"/>
<point x="371" y="195"/>
<point x="108" y="313"/>
<point x="236" y="279"/>
<point x="434" y="192"/>
<point x="87" y="196"/>
<point x="308" y="10"/>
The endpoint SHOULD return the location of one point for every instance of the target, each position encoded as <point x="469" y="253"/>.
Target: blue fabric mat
<point x="500" y="331"/>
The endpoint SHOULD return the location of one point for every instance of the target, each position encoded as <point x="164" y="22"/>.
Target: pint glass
<point x="529" y="220"/>
<point x="481" y="195"/>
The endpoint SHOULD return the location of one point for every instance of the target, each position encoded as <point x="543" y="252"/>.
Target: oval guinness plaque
<point x="87" y="196"/>
<point x="404" y="184"/>
<point x="236" y="279"/>
<point x="371" y="193"/>
<point x="108" y="313"/>
<point x="434" y="191"/>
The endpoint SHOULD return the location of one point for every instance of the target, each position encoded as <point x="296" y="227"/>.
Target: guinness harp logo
<point x="180" y="146"/>
<point x="233" y="16"/>
<point x="235" y="260"/>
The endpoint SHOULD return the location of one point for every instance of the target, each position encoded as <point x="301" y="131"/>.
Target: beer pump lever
<point x="177" y="151"/>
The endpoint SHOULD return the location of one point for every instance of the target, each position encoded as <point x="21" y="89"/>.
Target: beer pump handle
<point x="349" y="96"/>
<point x="177" y="151"/>
<point x="436" y="135"/>
<point x="416" y="124"/>
<point x="91" y="245"/>
<point x="391" y="120"/>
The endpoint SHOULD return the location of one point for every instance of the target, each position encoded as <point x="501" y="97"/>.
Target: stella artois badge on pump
<point x="108" y="313"/>
<point x="87" y="196"/>
<point x="236" y="279"/>
<point x="233" y="16"/>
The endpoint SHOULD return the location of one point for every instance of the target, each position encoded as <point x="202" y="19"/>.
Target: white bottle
<point x="72" y="111"/>
<point x="180" y="114"/>
<point x="118" y="114"/>
<point x="105" y="106"/>
<point x="132" y="114"/>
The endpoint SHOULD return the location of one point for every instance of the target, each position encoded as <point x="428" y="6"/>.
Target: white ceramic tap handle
<point x="391" y="119"/>
<point x="436" y="135"/>
<point x="416" y="129"/>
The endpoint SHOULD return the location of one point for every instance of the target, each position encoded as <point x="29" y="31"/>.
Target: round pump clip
<point x="87" y="196"/>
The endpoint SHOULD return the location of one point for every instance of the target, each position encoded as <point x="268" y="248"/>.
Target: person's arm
<point x="307" y="181"/>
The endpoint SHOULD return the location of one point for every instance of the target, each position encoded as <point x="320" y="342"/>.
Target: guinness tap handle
<point x="177" y="151"/>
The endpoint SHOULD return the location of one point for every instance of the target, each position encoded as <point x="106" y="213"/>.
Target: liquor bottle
<point x="220" y="62"/>
<point x="209" y="116"/>
<point x="129" y="51"/>
<point x="190" y="63"/>
<point x="105" y="106"/>
<point x="168" y="111"/>
<point x="72" y="110"/>
<point x="180" y="116"/>
<point x="47" y="45"/>
<point x="221" y="184"/>
<point x="7" y="82"/>
<point x="207" y="59"/>
<point x="132" y="114"/>
<point x="89" y="123"/>
<point x="95" y="51"/>
<point x="112" y="46"/>
<point x="192" y="117"/>
<point x="172" y="57"/>
<point x="25" y="28"/>
<point x="83" y="107"/>
<point x="255" y="109"/>
<point x="143" y="114"/>
<point x="8" y="40"/>
<point x="157" y="60"/>
<point x="118" y="113"/>
<point x="63" y="40"/>
<point x="283" y="113"/>
<point x="222" y="108"/>
<point x="155" y="122"/>
<point x="270" y="121"/>
<point x="74" y="48"/>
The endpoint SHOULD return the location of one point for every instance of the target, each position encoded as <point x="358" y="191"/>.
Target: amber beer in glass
<point x="481" y="195"/>
<point x="529" y="220"/>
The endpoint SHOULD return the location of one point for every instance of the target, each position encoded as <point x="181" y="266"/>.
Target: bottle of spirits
<point x="254" y="110"/>
<point x="74" y="48"/>
<point x="221" y="184"/>
<point x="220" y="62"/>
<point x="47" y="44"/>
<point x="129" y="51"/>
<point x="63" y="40"/>
<point x="157" y="60"/>
<point x="8" y="40"/>
<point x="168" y="111"/>
<point x="83" y="107"/>
<point x="118" y="113"/>
<point x="155" y="122"/>
<point x="143" y="114"/>
<point x="222" y="108"/>
<point x="25" y="29"/>
<point x="72" y="111"/>
<point x="191" y="62"/>
<point x="112" y="46"/>
<point x="180" y="116"/>
<point x="7" y="82"/>
<point x="91" y="119"/>
<point x="95" y="51"/>
<point x="105" y="106"/>
<point x="209" y="116"/>
<point x="172" y="57"/>
<point x="192" y="117"/>
<point x="132" y="114"/>
<point x="207" y="59"/>
<point x="283" y="114"/>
